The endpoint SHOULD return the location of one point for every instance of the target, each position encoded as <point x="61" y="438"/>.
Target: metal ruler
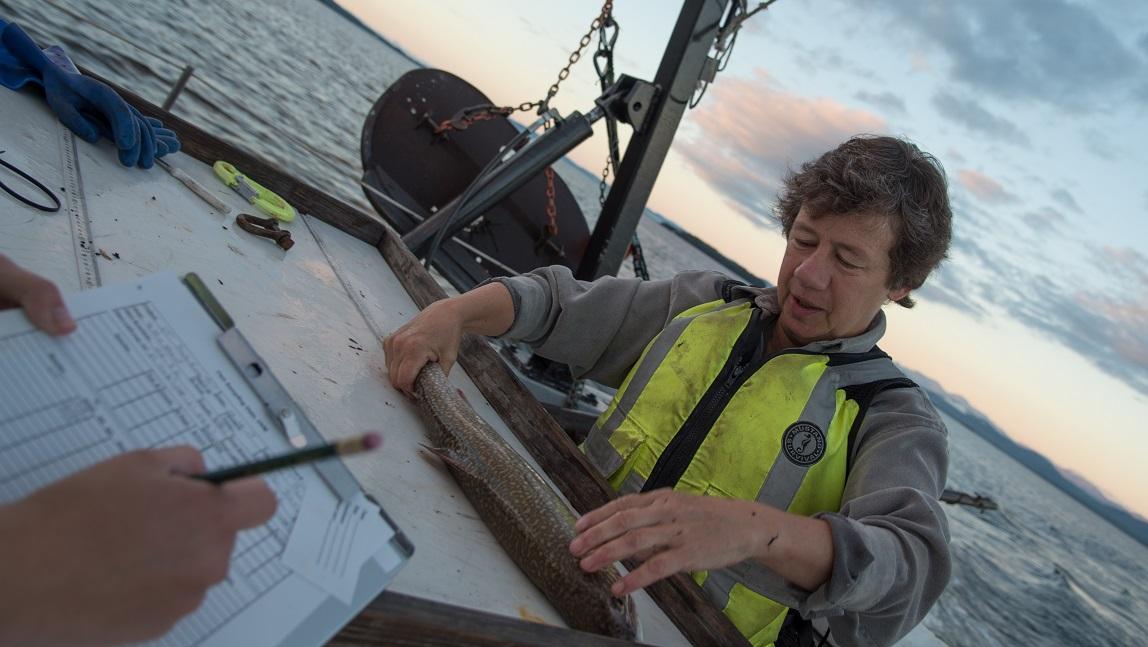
<point x="77" y="207"/>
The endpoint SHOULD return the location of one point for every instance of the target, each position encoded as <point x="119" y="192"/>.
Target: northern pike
<point x="526" y="516"/>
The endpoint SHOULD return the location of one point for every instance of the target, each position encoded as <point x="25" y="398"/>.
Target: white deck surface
<point x="307" y="312"/>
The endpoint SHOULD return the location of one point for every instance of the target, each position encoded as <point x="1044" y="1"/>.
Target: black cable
<point x="475" y="184"/>
<point x="34" y="182"/>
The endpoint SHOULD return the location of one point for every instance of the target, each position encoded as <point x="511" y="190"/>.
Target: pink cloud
<point x="1126" y="256"/>
<point x="1127" y="320"/>
<point x="750" y="133"/>
<point x="983" y="187"/>
<point x="1128" y="266"/>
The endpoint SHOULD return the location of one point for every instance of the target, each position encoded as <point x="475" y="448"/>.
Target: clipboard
<point x="291" y="610"/>
<point x="300" y="433"/>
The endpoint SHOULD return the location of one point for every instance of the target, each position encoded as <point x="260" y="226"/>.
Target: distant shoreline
<point x="710" y="251"/>
<point x="354" y="20"/>
<point x="1132" y="525"/>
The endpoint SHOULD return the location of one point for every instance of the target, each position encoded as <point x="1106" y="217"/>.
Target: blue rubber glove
<point x="14" y="74"/>
<point x="157" y="140"/>
<point x="165" y="139"/>
<point x="86" y="106"/>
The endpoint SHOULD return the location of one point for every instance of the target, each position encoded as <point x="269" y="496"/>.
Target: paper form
<point x="143" y="370"/>
<point x="333" y="539"/>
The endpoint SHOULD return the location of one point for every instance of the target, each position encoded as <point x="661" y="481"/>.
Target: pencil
<point x="363" y="443"/>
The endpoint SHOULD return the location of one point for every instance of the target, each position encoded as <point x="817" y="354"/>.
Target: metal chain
<point x="605" y="71"/>
<point x="464" y="118"/>
<point x="603" y="18"/>
<point x="551" y="204"/>
<point x="605" y="80"/>
<point x="602" y="183"/>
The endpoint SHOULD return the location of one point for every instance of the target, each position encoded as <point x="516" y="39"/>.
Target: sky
<point x="1036" y="110"/>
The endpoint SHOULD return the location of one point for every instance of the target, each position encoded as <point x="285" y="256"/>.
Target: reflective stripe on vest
<point x="781" y="438"/>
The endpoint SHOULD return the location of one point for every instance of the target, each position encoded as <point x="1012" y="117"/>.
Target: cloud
<point x="943" y="287"/>
<point x="750" y="133"/>
<point x="1051" y="51"/>
<point x="816" y="59"/>
<point x="930" y="291"/>
<point x="886" y="101"/>
<point x="971" y="115"/>
<point x="1011" y="263"/>
<point x="1087" y="316"/>
<point x="1045" y="220"/>
<point x="1115" y="334"/>
<point x="984" y="187"/>
<point x="1066" y="200"/>
<point x="1101" y="143"/>
<point x="975" y="253"/>
<point x="1105" y="329"/>
<point x="1128" y="265"/>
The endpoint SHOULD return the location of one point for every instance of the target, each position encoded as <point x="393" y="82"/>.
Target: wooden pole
<point x="177" y="88"/>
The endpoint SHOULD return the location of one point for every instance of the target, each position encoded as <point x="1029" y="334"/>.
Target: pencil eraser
<point x="372" y="440"/>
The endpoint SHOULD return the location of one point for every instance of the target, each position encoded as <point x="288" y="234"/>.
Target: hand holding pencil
<point x="365" y="442"/>
<point x="119" y="551"/>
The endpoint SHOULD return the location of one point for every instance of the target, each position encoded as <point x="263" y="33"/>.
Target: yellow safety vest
<point x="704" y="410"/>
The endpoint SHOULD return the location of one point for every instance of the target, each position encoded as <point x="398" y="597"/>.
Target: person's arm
<point x="598" y="327"/>
<point x="601" y="327"/>
<point x="875" y="568"/>
<point x="891" y="538"/>
<point x="120" y="551"/>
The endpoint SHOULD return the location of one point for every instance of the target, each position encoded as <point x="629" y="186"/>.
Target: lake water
<point x="292" y="81"/>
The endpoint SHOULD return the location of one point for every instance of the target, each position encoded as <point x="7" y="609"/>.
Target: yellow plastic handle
<point x="263" y="198"/>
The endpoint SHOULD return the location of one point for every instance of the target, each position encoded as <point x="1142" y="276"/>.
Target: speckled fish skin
<point x="523" y="512"/>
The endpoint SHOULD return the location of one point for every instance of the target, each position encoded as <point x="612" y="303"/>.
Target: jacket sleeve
<point x="890" y="537"/>
<point x="600" y="328"/>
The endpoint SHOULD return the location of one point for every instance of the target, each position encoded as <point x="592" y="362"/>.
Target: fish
<point x="524" y="513"/>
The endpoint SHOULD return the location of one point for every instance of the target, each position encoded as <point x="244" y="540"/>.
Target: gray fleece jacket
<point x="890" y="537"/>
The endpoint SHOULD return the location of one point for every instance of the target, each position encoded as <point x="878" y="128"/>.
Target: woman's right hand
<point x="433" y="335"/>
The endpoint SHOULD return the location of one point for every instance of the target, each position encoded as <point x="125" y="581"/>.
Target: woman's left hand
<point x="672" y="532"/>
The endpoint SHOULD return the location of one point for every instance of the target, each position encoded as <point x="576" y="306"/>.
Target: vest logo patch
<point x="803" y="443"/>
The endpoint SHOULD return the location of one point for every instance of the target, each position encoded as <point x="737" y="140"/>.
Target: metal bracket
<point x="709" y="70"/>
<point x="628" y="100"/>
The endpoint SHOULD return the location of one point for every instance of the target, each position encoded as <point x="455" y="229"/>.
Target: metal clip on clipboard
<point x="282" y="408"/>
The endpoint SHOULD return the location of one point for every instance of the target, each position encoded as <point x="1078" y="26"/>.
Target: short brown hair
<point x="884" y="175"/>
